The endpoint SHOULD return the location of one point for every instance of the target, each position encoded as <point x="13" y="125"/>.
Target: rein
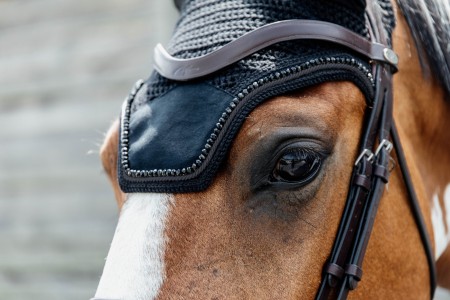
<point x="343" y="269"/>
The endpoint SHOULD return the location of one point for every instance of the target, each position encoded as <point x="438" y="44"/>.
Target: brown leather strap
<point x="355" y="271"/>
<point x="187" y="69"/>
<point x="382" y="172"/>
<point x="335" y="270"/>
<point x="416" y="210"/>
<point x="363" y="181"/>
<point x="361" y="207"/>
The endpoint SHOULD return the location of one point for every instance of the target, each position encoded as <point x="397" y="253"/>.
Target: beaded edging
<point x="126" y="112"/>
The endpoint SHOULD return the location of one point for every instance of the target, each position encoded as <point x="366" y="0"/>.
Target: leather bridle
<point x="371" y="172"/>
<point x="343" y="269"/>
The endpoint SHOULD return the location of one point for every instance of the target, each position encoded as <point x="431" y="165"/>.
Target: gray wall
<point x="65" y="68"/>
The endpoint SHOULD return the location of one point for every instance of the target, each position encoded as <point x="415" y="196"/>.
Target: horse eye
<point x="297" y="166"/>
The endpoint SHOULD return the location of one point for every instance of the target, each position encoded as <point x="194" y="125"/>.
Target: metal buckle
<point x="384" y="144"/>
<point x="390" y="56"/>
<point x="366" y="152"/>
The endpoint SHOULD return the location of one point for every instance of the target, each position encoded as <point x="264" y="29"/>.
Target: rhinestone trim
<point x="126" y="111"/>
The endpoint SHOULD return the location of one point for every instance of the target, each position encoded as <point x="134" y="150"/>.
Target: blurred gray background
<point x="65" y="68"/>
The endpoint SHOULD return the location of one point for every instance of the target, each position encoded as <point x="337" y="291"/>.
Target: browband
<point x="262" y="37"/>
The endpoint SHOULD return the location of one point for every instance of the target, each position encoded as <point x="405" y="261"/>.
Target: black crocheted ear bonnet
<point x="174" y="135"/>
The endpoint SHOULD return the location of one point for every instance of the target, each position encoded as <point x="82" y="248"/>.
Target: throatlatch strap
<point x="415" y="208"/>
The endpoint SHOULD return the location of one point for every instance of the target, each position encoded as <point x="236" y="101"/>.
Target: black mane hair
<point x="429" y="21"/>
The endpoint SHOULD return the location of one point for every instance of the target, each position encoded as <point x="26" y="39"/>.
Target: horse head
<point x="233" y="184"/>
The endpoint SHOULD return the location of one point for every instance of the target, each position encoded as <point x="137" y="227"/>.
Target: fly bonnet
<point x="176" y="132"/>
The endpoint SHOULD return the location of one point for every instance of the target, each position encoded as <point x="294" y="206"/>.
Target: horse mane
<point x="429" y="21"/>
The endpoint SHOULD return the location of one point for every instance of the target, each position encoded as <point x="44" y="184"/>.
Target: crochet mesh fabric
<point x="207" y="25"/>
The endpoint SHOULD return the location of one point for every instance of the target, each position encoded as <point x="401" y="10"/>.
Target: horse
<point x="244" y="237"/>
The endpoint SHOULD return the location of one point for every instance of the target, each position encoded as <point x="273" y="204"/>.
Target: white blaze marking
<point x="447" y="207"/>
<point x="134" y="268"/>
<point x="441" y="222"/>
<point x="437" y="219"/>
